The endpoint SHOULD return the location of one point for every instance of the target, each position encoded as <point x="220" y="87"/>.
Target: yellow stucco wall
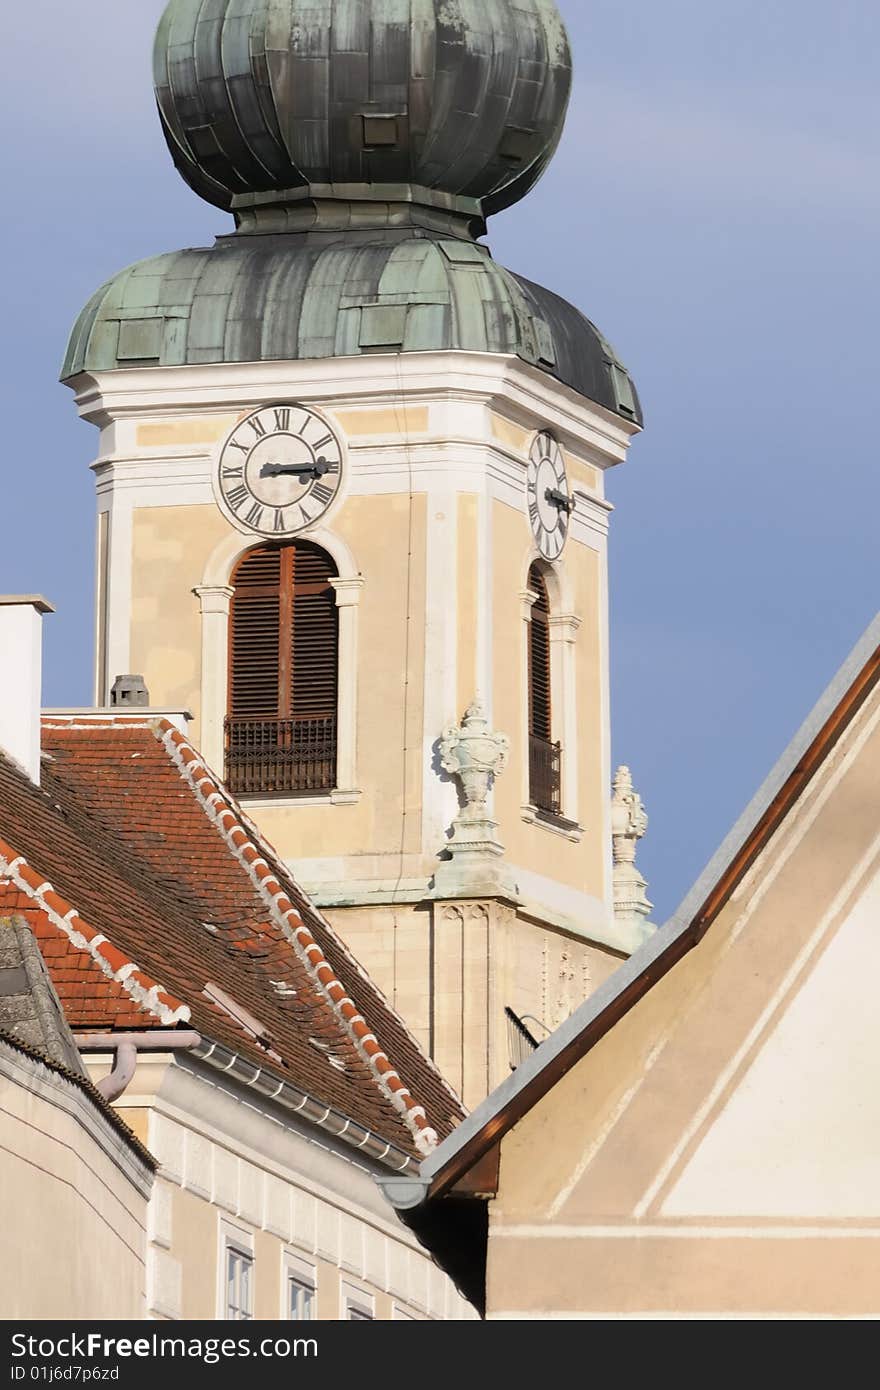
<point x="66" y="1199"/>
<point x="170" y="548"/>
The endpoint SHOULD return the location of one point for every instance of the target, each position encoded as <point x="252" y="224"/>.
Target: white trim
<point x="348" y="596"/>
<point x="574" y="832"/>
<point x="527" y="601"/>
<point x="341" y="382"/>
<point x="296" y="1269"/>
<point x="476" y="465"/>
<point x="225" y="555"/>
<point x="563" y="627"/>
<point x="440" y="681"/>
<point x="118" y="593"/>
<point x="215" y="597"/>
<point x="605" y="748"/>
<point x="232" y="1238"/>
<point x="102" y="584"/>
<point x="353" y="1296"/>
<point x="485" y="663"/>
<point x="255" y="804"/>
<point x="214" y="602"/>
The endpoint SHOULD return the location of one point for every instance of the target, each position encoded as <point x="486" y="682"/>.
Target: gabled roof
<point x="157" y="904"/>
<point x="468" y="1156"/>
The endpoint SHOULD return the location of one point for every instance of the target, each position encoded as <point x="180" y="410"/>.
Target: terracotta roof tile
<point x="179" y="893"/>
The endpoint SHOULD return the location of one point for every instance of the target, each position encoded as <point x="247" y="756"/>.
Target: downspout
<point x="126" y="1047"/>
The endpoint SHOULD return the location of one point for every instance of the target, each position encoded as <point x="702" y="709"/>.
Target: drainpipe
<point x="126" y="1046"/>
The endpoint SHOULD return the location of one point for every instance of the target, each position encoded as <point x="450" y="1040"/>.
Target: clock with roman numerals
<point x="279" y="470"/>
<point x="550" y="505"/>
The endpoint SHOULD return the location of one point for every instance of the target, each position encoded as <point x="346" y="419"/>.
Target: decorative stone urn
<point x="470" y="752"/>
<point x="475" y="755"/>
<point x="629" y="823"/>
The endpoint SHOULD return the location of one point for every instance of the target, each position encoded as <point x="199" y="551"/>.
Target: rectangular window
<point x="235" y="1272"/>
<point x="239" y="1284"/>
<point x="300" y="1301"/>
<point x="357" y="1304"/>
<point x="300" y="1290"/>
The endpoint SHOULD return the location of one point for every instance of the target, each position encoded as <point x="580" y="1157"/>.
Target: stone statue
<point x="629" y="823"/>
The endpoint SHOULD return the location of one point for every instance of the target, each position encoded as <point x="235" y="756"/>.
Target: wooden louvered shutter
<point x="540" y="713"/>
<point x="283" y="656"/>
<point x="254" y="635"/>
<point x="315" y="637"/>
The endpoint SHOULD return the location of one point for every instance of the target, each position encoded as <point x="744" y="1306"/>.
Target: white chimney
<point x="21" y="671"/>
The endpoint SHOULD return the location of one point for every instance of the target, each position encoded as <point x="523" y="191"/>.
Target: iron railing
<point x="545" y="775"/>
<point x="280" y="757"/>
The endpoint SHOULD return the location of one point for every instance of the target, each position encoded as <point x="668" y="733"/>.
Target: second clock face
<point x="550" y="505"/>
<point x="279" y="470"/>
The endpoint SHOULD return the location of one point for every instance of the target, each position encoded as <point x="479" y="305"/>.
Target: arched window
<point x="545" y="755"/>
<point x="283" y="672"/>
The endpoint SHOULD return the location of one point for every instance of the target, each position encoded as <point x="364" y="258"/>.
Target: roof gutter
<point x="300" y="1103"/>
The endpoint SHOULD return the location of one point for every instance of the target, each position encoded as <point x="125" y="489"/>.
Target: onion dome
<point x="456" y="104"/>
<point x="360" y="145"/>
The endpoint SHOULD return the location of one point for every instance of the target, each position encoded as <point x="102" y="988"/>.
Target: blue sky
<point x="713" y="207"/>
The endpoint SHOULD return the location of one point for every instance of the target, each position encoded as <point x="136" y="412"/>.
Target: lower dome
<point x="288" y="298"/>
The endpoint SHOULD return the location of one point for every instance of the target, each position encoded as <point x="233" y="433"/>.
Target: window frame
<point x="563" y="627"/>
<point x="214" y="595"/>
<point x="234" y="1241"/>
<point x="543" y="711"/>
<point x="286" y="745"/>
<point x="295" y="1271"/>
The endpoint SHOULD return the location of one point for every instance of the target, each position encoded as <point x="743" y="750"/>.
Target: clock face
<point x="550" y="506"/>
<point x="279" y="470"/>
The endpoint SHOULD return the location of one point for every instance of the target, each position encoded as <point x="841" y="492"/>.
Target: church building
<point x="351" y="511"/>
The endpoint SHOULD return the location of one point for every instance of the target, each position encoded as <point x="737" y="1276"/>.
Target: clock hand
<point x="560" y="499"/>
<point x="303" y="475"/>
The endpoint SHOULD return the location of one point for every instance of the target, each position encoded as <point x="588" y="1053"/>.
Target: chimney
<point x="21" y="671"/>
<point x="130" y="690"/>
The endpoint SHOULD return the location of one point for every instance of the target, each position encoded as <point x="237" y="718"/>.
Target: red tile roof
<point x="157" y="903"/>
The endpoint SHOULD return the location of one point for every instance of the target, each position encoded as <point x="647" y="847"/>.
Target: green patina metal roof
<point x="360" y="145"/>
<point x="294" y="296"/>
<point x="456" y="99"/>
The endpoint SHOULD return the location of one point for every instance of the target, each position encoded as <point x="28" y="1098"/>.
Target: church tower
<point x="350" y="488"/>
